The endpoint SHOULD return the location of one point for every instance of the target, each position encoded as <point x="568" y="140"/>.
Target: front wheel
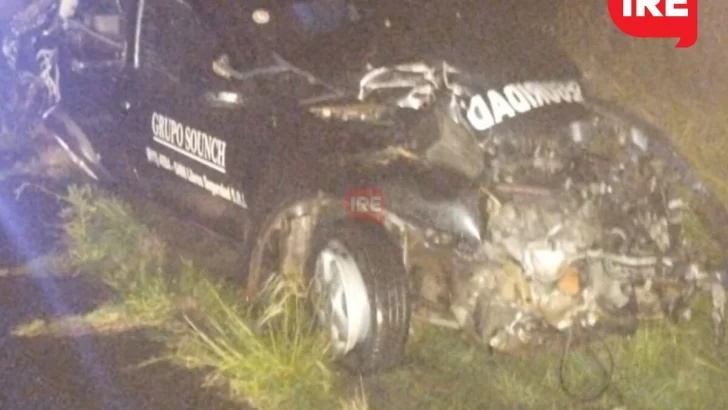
<point x="360" y="293"/>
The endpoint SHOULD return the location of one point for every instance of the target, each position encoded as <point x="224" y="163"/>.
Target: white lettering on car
<point x="190" y="142"/>
<point x="519" y="98"/>
<point x="479" y="114"/>
<point x="500" y="106"/>
<point x="516" y="98"/>
<point x="201" y="180"/>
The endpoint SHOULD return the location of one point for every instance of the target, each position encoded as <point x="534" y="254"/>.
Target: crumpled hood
<point x="498" y="49"/>
<point x="498" y="71"/>
<point x="480" y="103"/>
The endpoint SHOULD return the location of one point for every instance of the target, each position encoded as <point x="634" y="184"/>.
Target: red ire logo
<point x="657" y="19"/>
<point x="365" y="203"/>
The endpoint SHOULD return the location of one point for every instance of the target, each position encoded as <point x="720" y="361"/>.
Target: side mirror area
<point x="226" y="89"/>
<point x="224" y="99"/>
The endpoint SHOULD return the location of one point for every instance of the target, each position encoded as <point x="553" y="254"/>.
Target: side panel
<point x="92" y="58"/>
<point x="197" y="155"/>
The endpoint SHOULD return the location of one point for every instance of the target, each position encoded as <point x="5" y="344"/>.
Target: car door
<point x="201" y="145"/>
<point x="91" y="58"/>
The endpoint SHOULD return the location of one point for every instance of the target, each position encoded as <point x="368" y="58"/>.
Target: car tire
<point x="383" y="279"/>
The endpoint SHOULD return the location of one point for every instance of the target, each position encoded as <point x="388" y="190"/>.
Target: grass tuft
<point x="272" y="353"/>
<point x="269" y="353"/>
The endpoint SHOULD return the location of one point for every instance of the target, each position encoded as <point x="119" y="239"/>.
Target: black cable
<point x="607" y="371"/>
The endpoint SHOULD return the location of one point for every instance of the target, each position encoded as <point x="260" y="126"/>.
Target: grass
<point x="106" y="320"/>
<point x="662" y="366"/>
<point x="281" y="362"/>
<point x="268" y="354"/>
<point x="277" y="360"/>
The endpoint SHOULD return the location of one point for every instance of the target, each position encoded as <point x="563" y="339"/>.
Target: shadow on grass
<point x="82" y="367"/>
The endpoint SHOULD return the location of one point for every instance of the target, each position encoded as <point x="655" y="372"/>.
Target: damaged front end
<point x="567" y="232"/>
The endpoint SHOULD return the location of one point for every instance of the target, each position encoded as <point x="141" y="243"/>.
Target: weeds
<point x="269" y="354"/>
<point x="274" y="356"/>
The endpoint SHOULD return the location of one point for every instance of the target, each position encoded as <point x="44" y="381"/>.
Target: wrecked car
<point x="431" y="160"/>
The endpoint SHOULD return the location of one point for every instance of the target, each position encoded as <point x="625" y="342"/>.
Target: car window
<point x="307" y="20"/>
<point x="175" y="42"/>
<point x="321" y="16"/>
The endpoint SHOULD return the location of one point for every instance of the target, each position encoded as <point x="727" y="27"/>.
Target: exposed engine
<point x="583" y="234"/>
<point x="584" y="224"/>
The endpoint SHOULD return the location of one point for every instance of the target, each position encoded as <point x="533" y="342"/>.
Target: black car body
<point x="504" y="182"/>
